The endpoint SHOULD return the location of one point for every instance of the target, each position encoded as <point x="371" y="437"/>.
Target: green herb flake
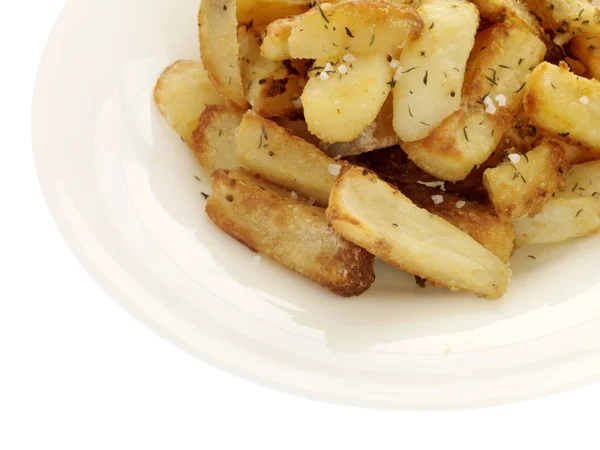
<point x="323" y="14"/>
<point x="521" y="88"/>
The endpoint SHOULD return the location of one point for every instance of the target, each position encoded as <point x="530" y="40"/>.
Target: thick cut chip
<point x="566" y="18"/>
<point x="279" y="156"/>
<point x="339" y="106"/>
<point x="214" y="139"/>
<point x="521" y="186"/>
<point x="182" y="93"/>
<point x="573" y="212"/>
<point x="369" y="212"/>
<point x="272" y="87"/>
<point x="493" y="93"/>
<point x="564" y="103"/>
<point x="266" y="219"/>
<point x="263" y="12"/>
<point x="329" y="30"/>
<point x="523" y="136"/>
<point x="498" y="11"/>
<point x="220" y="49"/>
<point x="380" y="134"/>
<point x="478" y="221"/>
<point x="431" y="68"/>
<point x="586" y="49"/>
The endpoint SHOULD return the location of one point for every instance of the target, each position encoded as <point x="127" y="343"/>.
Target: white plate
<point x="121" y="187"/>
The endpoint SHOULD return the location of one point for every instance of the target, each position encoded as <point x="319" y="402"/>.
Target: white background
<point x="77" y="372"/>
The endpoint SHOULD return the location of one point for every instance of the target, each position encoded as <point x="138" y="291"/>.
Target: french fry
<point x="339" y="106"/>
<point x="263" y="12"/>
<point x="566" y="18"/>
<point x="330" y="30"/>
<point x="369" y="212"/>
<point x="572" y="213"/>
<point x="431" y="68"/>
<point x="214" y="139"/>
<point x="220" y="49"/>
<point x="279" y="156"/>
<point x="522" y="186"/>
<point x="182" y="93"/>
<point x="565" y="104"/>
<point x="478" y="221"/>
<point x="498" y="11"/>
<point x="586" y="49"/>
<point x="496" y="75"/>
<point x="265" y="218"/>
<point x="524" y="136"/>
<point x="380" y="134"/>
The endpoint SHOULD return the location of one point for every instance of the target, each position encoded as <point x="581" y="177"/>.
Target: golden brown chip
<point x="266" y="219"/>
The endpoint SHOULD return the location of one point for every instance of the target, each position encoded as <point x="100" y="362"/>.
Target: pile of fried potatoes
<point x="436" y="135"/>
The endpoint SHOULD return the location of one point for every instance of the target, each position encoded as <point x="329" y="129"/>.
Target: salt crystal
<point x="437" y="199"/>
<point x="514" y="158"/>
<point x="334" y="169"/>
<point x="399" y="73"/>
<point x="489" y="103"/>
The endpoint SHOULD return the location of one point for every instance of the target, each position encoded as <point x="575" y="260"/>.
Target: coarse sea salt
<point x="514" y="158"/>
<point x="349" y="58"/>
<point x="398" y="73"/>
<point x="437" y="199"/>
<point x="584" y="100"/>
<point x="394" y="63"/>
<point x="324" y="76"/>
<point x="501" y="99"/>
<point x="461" y="204"/>
<point x="334" y="169"/>
<point x="489" y="103"/>
<point x="342" y="69"/>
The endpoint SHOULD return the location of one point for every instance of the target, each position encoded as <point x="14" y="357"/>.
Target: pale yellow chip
<point x="329" y="30"/>
<point x="220" y="49"/>
<point x="279" y="156"/>
<point x="564" y="103"/>
<point x="182" y="93"/>
<point x="369" y="212"/>
<point x="521" y="186"/>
